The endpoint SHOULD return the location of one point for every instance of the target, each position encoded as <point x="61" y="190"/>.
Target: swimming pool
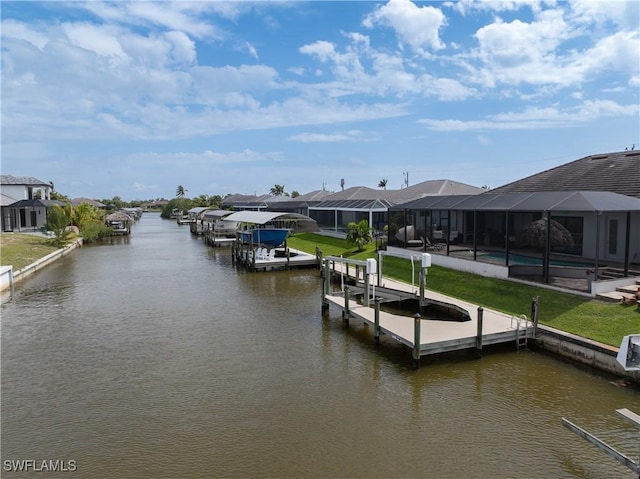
<point x="519" y="259"/>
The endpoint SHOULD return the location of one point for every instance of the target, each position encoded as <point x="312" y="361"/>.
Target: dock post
<point x="534" y="315"/>
<point x="376" y="329"/>
<point x="479" y="336"/>
<point x="325" y="286"/>
<point x="345" y="313"/>
<point x="416" y="340"/>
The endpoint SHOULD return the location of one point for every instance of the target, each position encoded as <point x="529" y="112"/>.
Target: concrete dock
<point x="427" y="336"/>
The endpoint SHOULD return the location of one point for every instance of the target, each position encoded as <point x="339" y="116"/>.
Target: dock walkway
<point x="427" y="336"/>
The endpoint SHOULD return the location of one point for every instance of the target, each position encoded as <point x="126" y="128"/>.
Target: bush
<point x="57" y="221"/>
<point x="95" y="231"/>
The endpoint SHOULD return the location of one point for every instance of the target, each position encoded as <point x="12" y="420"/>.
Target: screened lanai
<point x="598" y="232"/>
<point x="335" y="215"/>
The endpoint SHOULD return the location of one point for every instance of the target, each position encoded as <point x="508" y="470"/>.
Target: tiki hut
<point x="534" y="234"/>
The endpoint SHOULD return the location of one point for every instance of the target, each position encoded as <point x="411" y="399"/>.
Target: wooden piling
<point x="326" y="284"/>
<point x="376" y="329"/>
<point x="534" y="314"/>
<point x="416" y="340"/>
<point x="345" y="311"/>
<point x="479" y="335"/>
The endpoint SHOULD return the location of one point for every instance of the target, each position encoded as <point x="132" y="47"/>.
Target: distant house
<point x="359" y="203"/>
<point x="281" y="203"/>
<point x="156" y="204"/>
<point x="88" y="201"/>
<point x="240" y="202"/>
<point x="24" y="202"/>
<point x="299" y="204"/>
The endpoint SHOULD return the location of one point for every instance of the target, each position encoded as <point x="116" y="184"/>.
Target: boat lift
<point x="626" y="414"/>
<point x="629" y="358"/>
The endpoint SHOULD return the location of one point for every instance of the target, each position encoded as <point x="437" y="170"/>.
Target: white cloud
<point x="537" y="118"/>
<point x="352" y="135"/>
<point x="623" y="14"/>
<point x="185" y="17"/>
<point x="321" y="49"/>
<point x="103" y="41"/>
<point x="22" y="31"/>
<point x="468" y="7"/>
<point x="415" y="26"/>
<point x="252" y="50"/>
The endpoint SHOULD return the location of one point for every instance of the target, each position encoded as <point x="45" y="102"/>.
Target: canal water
<point x="153" y="357"/>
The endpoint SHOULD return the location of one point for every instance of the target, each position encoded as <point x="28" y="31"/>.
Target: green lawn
<point x="20" y="250"/>
<point x="590" y="318"/>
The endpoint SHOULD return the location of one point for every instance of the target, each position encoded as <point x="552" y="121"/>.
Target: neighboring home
<point x="281" y="203"/>
<point x="299" y="204"/>
<point x="156" y="204"/>
<point x="358" y="203"/>
<point x="30" y="196"/>
<point x="239" y="202"/>
<point x="581" y="218"/>
<point x="88" y="201"/>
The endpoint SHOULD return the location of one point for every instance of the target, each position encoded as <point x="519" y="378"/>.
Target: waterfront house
<point x="24" y="202"/>
<point x="358" y="203"/>
<point x="596" y="200"/>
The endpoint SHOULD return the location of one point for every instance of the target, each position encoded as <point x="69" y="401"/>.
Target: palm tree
<point x="359" y="234"/>
<point x="277" y="190"/>
<point x="382" y="183"/>
<point x="180" y="191"/>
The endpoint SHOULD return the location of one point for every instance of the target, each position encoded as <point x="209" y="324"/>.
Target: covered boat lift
<point x="296" y="222"/>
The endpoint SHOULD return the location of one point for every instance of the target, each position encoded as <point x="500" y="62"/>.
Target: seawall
<point x="583" y="351"/>
<point x="10" y="277"/>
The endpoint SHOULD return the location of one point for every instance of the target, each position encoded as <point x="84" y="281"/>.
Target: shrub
<point x="95" y="230"/>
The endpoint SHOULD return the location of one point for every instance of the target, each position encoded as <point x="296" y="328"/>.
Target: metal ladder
<point x="522" y="335"/>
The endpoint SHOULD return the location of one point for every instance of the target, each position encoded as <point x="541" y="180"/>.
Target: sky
<point x="133" y="99"/>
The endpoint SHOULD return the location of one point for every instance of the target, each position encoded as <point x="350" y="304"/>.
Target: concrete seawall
<point x="10" y="277"/>
<point x="583" y="351"/>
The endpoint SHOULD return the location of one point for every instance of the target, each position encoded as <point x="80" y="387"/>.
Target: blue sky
<point x="135" y="98"/>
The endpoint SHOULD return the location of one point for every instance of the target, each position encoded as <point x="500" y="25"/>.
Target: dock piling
<point x="534" y="315"/>
<point x="345" y="311"/>
<point x="326" y="284"/>
<point x="416" y="340"/>
<point x="376" y="329"/>
<point x="479" y="336"/>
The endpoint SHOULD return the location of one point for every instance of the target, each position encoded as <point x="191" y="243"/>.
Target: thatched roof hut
<point x="534" y="234"/>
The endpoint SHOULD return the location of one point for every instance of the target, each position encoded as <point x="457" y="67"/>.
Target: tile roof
<point x="22" y="181"/>
<point x="613" y="172"/>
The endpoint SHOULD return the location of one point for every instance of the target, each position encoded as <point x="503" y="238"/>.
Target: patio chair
<point x="433" y="246"/>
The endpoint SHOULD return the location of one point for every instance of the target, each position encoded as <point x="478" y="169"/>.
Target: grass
<point x="20" y="250"/>
<point x="589" y="318"/>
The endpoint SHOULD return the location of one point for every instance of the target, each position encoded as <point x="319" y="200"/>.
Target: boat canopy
<point x="210" y="215"/>
<point x="301" y="222"/>
<point x="264" y="217"/>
